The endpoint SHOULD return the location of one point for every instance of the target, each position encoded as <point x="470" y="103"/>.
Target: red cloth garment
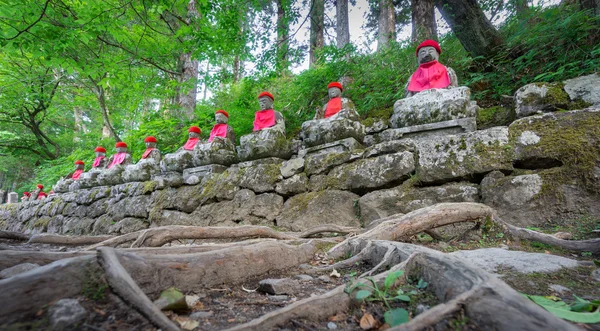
<point x="97" y="161"/>
<point x="429" y="75"/>
<point x="117" y="159"/>
<point x="190" y="144"/>
<point x="333" y="107"/>
<point x="147" y="152"/>
<point x="264" y="119"/>
<point x="219" y="130"/>
<point x="40" y="195"/>
<point x="77" y="173"/>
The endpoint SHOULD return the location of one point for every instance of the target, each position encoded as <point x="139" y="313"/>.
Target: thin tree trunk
<point x="317" y="24"/>
<point x="470" y="25"/>
<point x="283" y="35"/>
<point x="521" y="7"/>
<point x="108" y="130"/>
<point x="79" y="124"/>
<point x="342" y="27"/>
<point x="206" y="75"/>
<point x="188" y="78"/>
<point x="423" y="20"/>
<point x="387" y="24"/>
<point x="592" y="5"/>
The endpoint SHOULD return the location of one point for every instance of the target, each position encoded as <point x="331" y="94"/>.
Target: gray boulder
<point x="18" y="269"/>
<point x="323" y="131"/>
<point x="112" y="176"/>
<point x="292" y="167"/>
<point x="537" y="98"/>
<point x="141" y="171"/>
<point x="279" y="286"/>
<point x="586" y="88"/>
<point x="66" y="314"/>
<point x="323" y="158"/>
<point x="293" y="185"/>
<point x="219" y="151"/>
<point x="264" y="143"/>
<point x="176" y="162"/>
<point x="261" y="177"/>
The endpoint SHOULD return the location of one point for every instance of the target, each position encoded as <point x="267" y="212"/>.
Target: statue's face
<point x="334" y="92"/>
<point x="79" y="167"/>
<point x="427" y="54"/>
<point x="221" y="118"/>
<point x="193" y="135"/>
<point x="99" y="154"/>
<point x="265" y="103"/>
<point x="121" y="149"/>
<point x="150" y="145"/>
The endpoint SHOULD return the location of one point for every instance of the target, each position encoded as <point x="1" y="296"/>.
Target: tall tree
<point x="470" y="25"/>
<point x="423" y="20"/>
<point x="592" y="5"/>
<point x="343" y="26"/>
<point x="283" y="35"/>
<point x="386" y="31"/>
<point x="317" y="27"/>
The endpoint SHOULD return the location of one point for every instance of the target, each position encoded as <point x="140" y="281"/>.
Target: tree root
<point x="55" y="239"/>
<point x="125" y="287"/>
<point x="328" y="228"/>
<point x="13" y="235"/>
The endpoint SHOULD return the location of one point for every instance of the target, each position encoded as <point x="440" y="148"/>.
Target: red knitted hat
<point x="27" y="194"/>
<point x="100" y="149"/>
<point x="195" y="129"/>
<point x="79" y="162"/>
<point x="266" y="94"/>
<point x="335" y="84"/>
<point x="121" y="144"/>
<point x="431" y="43"/>
<point x="40" y="186"/>
<point x="222" y="112"/>
<point x="150" y="139"/>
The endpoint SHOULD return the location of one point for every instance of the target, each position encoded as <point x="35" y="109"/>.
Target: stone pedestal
<point x="219" y="151"/>
<point x="262" y="144"/>
<point x="323" y="131"/>
<point x="321" y="158"/>
<point x="86" y="180"/>
<point x="193" y="176"/>
<point x="432" y="106"/>
<point x="62" y="185"/>
<point x="177" y="161"/>
<point x="141" y="171"/>
<point x="431" y="130"/>
<point x="13" y="197"/>
<point x="112" y="176"/>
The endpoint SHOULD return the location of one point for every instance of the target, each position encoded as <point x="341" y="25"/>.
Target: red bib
<point x="429" y="75"/>
<point x="117" y="159"/>
<point x="147" y="152"/>
<point x="97" y="161"/>
<point x="219" y="130"/>
<point x="333" y="107"/>
<point x="77" y="173"/>
<point x="190" y="144"/>
<point x="264" y="119"/>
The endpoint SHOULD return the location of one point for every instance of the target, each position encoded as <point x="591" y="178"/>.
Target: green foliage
<point x="582" y="311"/>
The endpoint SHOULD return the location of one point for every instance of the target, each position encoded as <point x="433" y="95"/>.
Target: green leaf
<point x="363" y="294"/>
<point x="422" y="284"/>
<point x="391" y="278"/>
<point x="404" y="298"/>
<point x="396" y="317"/>
<point x="562" y="310"/>
<point x="597" y="263"/>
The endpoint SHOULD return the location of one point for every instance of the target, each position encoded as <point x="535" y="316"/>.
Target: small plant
<point x="586" y="254"/>
<point x="422" y="284"/>
<point x="582" y="311"/>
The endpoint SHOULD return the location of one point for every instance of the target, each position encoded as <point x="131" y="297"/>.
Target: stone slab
<point x="430" y="130"/>
<point x="193" y="176"/>
<point x="13" y="197"/>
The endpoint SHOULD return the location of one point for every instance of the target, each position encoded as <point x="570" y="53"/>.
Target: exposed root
<point x="55" y="239"/>
<point x="328" y="228"/>
<point x="385" y="261"/>
<point x="362" y="254"/>
<point x="13" y="235"/>
<point x="125" y="287"/>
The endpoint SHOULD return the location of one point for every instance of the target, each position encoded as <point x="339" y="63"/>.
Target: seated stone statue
<point x="430" y="74"/>
<point x="100" y="160"/>
<point x="268" y="138"/>
<point x="89" y="178"/>
<point x="147" y="166"/>
<point x="36" y="192"/>
<point x="183" y="157"/>
<point x="64" y="183"/>
<point x="42" y="195"/>
<point x="220" y="148"/>
<point x="337" y="120"/>
<point x="25" y="196"/>
<point x="111" y="175"/>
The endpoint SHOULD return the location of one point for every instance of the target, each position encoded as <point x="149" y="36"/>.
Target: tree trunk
<point x="470" y="25"/>
<point x="188" y="69"/>
<point x="423" y="20"/>
<point x="317" y="24"/>
<point x="343" y="26"/>
<point x="107" y="130"/>
<point x="592" y="5"/>
<point x="79" y="124"/>
<point x="387" y="24"/>
<point x="283" y="35"/>
<point x="521" y="7"/>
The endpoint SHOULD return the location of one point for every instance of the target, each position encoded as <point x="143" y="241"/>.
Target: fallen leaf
<point x="100" y="312"/>
<point x="368" y="322"/>
<point x="335" y="274"/>
<point x="337" y="318"/>
<point x="187" y="323"/>
<point x="231" y="320"/>
<point x="384" y="327"/>
<point x="192" y="300"/>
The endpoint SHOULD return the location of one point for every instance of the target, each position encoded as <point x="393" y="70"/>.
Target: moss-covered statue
<point x="147" y="166"/>
<point x="117" y="162"/>
<point x="430" y="74"/>
<point x="36" y="192"/>
<point x="337" y="120"/>
<point x="182" y="158"/>
<point x="64" y="183"/>
<point x="26" y="196"/>
<point x="220" y="148"/>
<point x="88" y="179"/>
<point x="268" y="136"/>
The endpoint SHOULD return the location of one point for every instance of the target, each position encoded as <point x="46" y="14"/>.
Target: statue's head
<point x="100" y="151"/>
<point x="265" y="100"/>
<point x="39" y="187"/>
<point x="26" y="194"/>
<point x="150" y="142"/>
<point x="428" y="51"/>
<point x="121" y="147"/>
<point x="194" y="132"/>
<point x="221" y="117"/>
<point x="79" y="165"/>
<point x="335" y="90"/>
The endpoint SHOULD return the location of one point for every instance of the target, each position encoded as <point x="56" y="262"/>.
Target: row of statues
<point x="338" y="119"/>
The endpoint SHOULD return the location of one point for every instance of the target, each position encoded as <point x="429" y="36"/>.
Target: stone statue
<point x="182" y="158"/>
<point x="89" y="178"/>
<point x="64" y="183"/>
<point x="147" y="166"/>
<point x="220" y="148"/>
<point x="79" y="166"/>
<point x="36" y="192"/>
<point x="25" y="196"/>
<point x="42" y="195"/>
<point x="268" y="137"/>
<point x="337" y="120"/>
<point x="100" y="160"/>
<point x="337" y="105"/>
<point x="430" y="74"/>
<point x="111" y="175"/>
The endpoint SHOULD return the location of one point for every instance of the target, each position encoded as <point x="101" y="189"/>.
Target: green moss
<point x="149" y="187"/>
<point x="376" y="115"/>
<point x="42" y="222"/>
<point x="494" y="116"/>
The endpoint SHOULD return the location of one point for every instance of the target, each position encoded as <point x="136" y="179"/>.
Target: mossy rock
<point x="494" y="116"/>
